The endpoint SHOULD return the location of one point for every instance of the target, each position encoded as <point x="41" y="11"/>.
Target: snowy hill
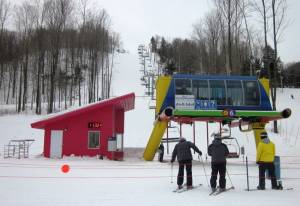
<point x="39" y="181"/>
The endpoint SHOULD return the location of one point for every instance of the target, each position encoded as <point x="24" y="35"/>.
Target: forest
<point x="54" y="52"/>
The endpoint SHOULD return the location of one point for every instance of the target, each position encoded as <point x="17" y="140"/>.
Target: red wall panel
<point x="75" y="135"/>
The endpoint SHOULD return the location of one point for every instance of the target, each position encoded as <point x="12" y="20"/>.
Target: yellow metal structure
<point x="266" y="84"/>
<point x="154" y="140"/>
<point x="162" y="86"/>
<point x="258" y="128"/>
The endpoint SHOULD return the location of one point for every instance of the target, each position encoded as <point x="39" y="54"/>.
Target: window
<point x="251" y="92"/>
<point x="217" y="91"/>
<point x="119" y="142"/>
<point x="94" y="140"/>
<point x="183" y="87"/>
<point x="234" y="93"/>
<point x="200" y="89"/>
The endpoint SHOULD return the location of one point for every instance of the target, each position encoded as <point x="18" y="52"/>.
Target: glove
<point x="172" y="161"/>
<point x="200" y="153"/>
<point x="257" y="163"/>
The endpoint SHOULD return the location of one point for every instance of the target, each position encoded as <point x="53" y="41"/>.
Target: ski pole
<point x="172" y="172"/>
<point x="229" y="178"/>
<point x="247" y="173"/>
<point x="204" y="170"/>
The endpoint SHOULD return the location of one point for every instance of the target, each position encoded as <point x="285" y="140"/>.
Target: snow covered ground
<point x="39" y="181"/>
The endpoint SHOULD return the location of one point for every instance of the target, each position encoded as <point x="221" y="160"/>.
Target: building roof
<point x="213" y="77"/>
<point x="125" y="102"/>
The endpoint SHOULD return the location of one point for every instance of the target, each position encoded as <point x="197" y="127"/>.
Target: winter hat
<point x="217" y="141"/>
<point x="263" y="135"/>
<point x="217" y="136"/>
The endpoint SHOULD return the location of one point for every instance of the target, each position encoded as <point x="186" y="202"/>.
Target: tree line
<point x="56" y="52"/>
<point x="291" y="75"/>
<point x="232" y="39"/>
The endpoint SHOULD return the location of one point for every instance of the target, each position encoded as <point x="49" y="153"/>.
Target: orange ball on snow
<point x="65" y="168"/>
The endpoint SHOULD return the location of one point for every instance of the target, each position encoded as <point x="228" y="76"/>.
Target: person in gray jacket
<point x="218" y="152"/>
<point x="184" y="157"/>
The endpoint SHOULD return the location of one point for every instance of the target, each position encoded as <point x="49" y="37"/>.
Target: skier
<point x="265" y="156"/>
<point x="218" y="152"/>
<point x="184" y="157"/>
<point x="161" y="150"/>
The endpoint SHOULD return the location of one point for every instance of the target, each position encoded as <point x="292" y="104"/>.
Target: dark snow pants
<point x="263" y="166"/>
<point x="215" y="169"/>
<point x="180" y="176"/>
<point x="161" y="156"/>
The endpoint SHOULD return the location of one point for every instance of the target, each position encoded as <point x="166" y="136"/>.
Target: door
<point x="56" y="144"/>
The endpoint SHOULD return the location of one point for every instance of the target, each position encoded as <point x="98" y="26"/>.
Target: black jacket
<point x="183" y="150"/>
<point x="161" y="148"/>
<point x="218" y="151"/>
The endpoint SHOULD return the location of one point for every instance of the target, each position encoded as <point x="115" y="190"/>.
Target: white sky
<point x="138" y="20"/>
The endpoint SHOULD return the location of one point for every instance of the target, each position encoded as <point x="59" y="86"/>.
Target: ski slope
<point x="134" y="182"/>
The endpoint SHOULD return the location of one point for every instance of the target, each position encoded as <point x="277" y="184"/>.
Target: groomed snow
<point x="134" y="182"/>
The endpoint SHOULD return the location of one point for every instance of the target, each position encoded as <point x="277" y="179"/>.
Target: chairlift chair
<point x="233" y="147"/>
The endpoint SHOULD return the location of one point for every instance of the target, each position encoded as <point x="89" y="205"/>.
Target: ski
<point x="217" y="192"/>
<point x="212" y="192"/>
<point x="288" y="188"/>
<point x="184" y="189"/>
<point x="176" y="190"/>
<point x="255" y="189"/>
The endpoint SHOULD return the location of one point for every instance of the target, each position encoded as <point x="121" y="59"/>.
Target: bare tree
<point x="213" y="33"/>
<point x="57" y="13"/>
<point x="265" y="22"/>
<point x="244" y="8"/>
<point x="81" y="64"/>
<point x="24" y="20"/>
<point x="263" y="9"/>
<point x="113" y="45"/>
<point x="40" y="51"/>
<point x="227" y="9"/>
<point x="279" y="8"/>
<point x="4" y="13"/>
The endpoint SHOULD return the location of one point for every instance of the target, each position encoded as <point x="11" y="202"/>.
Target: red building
<point x="95" y="129"/>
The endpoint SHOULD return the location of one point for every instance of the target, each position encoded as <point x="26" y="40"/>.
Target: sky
<point x="138" y="20"/>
